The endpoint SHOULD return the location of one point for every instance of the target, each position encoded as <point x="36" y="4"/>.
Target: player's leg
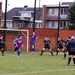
<point x="42" y="51"/>
<point x="51" y="51"/>
<point x="57" y="51"/>
<point x="19" y="51"/>
<point x="64" y="51"/>
<point x="69" y="59"/>
<point x="33" y="49"/>
<point x="15" y="49"/>
<point x="33" y="46"/>
<point x="2" y="50"/>
<point x="74" y="58"/>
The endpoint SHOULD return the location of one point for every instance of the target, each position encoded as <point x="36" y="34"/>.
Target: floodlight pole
<point x="5" y="21"/>
<point x="34" y="15"/>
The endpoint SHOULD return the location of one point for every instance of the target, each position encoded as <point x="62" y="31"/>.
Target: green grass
<point x="28" y="64"/>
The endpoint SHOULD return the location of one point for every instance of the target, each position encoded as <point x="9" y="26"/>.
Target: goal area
<point x="11" y="34"/>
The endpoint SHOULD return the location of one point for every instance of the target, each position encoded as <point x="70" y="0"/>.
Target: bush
<point x="72" y="27"/>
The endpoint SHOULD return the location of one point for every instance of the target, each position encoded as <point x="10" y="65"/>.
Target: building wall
<point x="42" y="33"/>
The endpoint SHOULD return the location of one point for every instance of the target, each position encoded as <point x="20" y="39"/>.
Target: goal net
<point x="11" y="34"/>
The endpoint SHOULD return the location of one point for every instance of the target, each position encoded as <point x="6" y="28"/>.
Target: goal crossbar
<point x="27" y="36"/>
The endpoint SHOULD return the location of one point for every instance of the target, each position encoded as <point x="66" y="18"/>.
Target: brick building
<point x="51" y="15"/>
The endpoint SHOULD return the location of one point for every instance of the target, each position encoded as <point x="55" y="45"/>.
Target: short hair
<point x="69" y="37"/>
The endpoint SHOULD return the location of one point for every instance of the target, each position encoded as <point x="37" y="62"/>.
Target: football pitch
<point x="28" y="64"/>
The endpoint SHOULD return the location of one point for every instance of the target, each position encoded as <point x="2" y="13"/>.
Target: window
<point x="32" y="15"/>
<point x="64" y="11"/>
<point x="19" y="25"/>
<point x="63" y="24"/>
<point x="30" y="25"/>
<point x="61" y="12"/>
<point x="38" y="25"/>
<point x="53" y="12"/>
<point x="53" y="24"/>
<point x="47" y="26"/>
<point x="9" y="25"/>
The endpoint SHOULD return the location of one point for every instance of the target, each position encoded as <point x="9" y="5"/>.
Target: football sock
<point x="32" y="49"/>
<point x="69" y="59"/>
<point x="57" y="52"/>
<point x="64" y="54"/>
<point x="52" y="53"/>
<point x="74" y="60"/>
<point x="41" y="52"/>
<point x="18" y="53"/>
<point x="3" y="52"/>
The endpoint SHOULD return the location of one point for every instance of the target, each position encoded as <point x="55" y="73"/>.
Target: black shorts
<point x="60" y="47"/>
<point x="71" y="53"/>
<point x="1" y="46"/>
<point x="47" y="47"/>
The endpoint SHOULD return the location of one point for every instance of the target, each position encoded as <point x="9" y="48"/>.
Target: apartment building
<point x="51" y="15"/>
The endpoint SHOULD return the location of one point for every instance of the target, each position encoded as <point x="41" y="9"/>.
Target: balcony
<point x="63" y="16"/>
<point x="19" y="18"/>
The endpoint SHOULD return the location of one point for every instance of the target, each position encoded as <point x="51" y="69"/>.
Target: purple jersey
<point x="19" y="42"/>
<point x="34" y="37"/>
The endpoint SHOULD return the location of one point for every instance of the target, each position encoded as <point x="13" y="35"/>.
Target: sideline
<point x="39" y="72"/>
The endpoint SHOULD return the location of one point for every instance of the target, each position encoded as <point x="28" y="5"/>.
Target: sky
<point x="30" y="3"/>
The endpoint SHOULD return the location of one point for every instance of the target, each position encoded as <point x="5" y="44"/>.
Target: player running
<point x="19" y="44"/>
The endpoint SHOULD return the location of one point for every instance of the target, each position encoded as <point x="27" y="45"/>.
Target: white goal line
<point x="34" y="72"/>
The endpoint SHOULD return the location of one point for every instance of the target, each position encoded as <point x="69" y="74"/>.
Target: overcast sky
<point x="30" y="3"/>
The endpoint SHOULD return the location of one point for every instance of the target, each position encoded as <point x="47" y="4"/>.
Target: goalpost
<point x="22" y="32"/>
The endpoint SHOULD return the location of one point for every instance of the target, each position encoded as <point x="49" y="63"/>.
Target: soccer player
<point x="33" y="41"/>
<point x="65" y="49"/>
<point x="19" y="44"/>
<point x="69" y="38"/>
<point x="47" y="46"/>
<point x="1" y="45"/>
<point x="71" y="50"/>
<point x="15" y="40"/>
<point x="60" y="46"/>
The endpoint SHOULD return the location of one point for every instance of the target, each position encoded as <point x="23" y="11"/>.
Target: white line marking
<point x="39" y="72"/>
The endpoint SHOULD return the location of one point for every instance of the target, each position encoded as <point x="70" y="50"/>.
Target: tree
<point x="72" y="15"/>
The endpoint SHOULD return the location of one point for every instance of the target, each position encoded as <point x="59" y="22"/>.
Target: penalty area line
<point x="34" y="72"/>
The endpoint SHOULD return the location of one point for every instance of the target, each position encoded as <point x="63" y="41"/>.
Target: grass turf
<point x="28" y="64"/>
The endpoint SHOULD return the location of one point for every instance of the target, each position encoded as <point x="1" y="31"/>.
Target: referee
<point x="71" y="50"/>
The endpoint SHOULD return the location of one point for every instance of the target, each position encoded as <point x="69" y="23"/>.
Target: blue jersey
<point x="34" y="37"/>
<point x="15" y="40"/>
